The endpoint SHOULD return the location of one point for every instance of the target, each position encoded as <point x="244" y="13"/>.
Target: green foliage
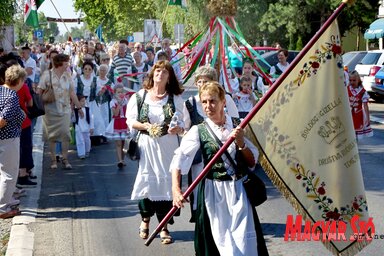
<point x="75" y="33"/>
<point x="299" y="44"/>
<point x="49" y="29"/>
<point x="8" y="9"/>
<point x="304" y="17"/>
<point x="120" y="17"/>
<point x="280" y="21"/>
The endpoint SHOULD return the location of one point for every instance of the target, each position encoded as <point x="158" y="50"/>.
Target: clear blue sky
<point x="66" y="10"/>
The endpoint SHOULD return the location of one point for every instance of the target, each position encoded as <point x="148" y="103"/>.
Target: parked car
<point x="271" y="59"/>
<point x="351" y="59"/>
<point x="368" y="67"/>
<point x="261" y="49"/>
<point x="378" y="88"/>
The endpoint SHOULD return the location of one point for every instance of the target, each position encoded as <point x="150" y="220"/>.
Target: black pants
<point x="26" y="147"/>
<point x="149" y="208"/>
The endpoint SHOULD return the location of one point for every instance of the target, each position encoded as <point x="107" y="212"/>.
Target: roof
<point x="376" y="30"/>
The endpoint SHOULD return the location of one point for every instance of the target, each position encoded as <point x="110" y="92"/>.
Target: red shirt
<point x="24" y="98"/>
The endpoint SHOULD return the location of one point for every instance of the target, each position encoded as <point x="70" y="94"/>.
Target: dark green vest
<point x="80" y="88"/>
<point x="209" y="148"/>
<point x="168" y="109"/>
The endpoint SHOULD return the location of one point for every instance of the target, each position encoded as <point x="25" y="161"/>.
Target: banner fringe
<point x="279" y="184"/>
<point x="269" y="170"/>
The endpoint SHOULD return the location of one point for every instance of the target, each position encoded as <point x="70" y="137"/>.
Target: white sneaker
<point x="14" y="202"/>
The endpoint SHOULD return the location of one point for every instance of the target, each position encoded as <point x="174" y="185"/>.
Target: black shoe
<point x="32" y="177"/>
<point x="120" y="165"/>
<point x="58" y="158"/>
<point x="25" y="182"/>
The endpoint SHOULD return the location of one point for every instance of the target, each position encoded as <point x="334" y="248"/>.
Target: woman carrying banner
<point x="157" y="142"/>
<point x="226" y="223"/>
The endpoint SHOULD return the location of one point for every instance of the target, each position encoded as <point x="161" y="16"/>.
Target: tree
<point x="118" y="17"/>
<point x="8" y="9"/>
<point x="292" y="18"/>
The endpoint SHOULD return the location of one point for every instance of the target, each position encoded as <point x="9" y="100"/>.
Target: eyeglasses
<point x="105" y="59"/>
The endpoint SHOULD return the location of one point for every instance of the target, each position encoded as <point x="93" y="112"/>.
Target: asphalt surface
<point x="88" y="211"/>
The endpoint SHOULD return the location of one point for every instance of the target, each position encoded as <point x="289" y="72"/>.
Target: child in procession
<point x="358" y="101"/>
<point x="117" y="129"/>
<point x="245" y="99"/>
<point x="83" y="129"/>
<point x="257" y="80"/>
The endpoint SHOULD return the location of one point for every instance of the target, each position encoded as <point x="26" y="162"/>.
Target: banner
<point x="308" y="149"/>
<point x="99" y="33"/>
<point x="182" y="3"/>
<point x="30" y="12"/>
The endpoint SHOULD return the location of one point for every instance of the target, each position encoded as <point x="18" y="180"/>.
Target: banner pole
<point x="248" y="118"/>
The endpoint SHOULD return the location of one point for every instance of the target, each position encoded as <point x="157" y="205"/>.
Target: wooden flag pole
<point x="248" y="118"/>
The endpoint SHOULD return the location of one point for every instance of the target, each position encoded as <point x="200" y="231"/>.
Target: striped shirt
<point x="123" y="65"/>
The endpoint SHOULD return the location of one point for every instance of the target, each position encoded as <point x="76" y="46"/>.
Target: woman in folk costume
<point x="87" y="86"/>
<point x="150" y="111"/>
<point x="226" y="223"/>
<point x="358" y="101"/>
<point x="194" y="114"/>
<point x="104" y="93"/>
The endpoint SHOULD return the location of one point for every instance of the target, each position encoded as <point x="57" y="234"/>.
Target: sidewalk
<point x="21" y="240"/>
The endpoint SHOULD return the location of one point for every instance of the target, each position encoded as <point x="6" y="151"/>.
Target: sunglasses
<point x="105" y="59"/>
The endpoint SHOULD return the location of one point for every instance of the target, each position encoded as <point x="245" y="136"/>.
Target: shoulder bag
<point x="133" y="150"/>
<point x="253" y="185"/>
<point x="48" y="95"/>
<point x="37" y="108"/>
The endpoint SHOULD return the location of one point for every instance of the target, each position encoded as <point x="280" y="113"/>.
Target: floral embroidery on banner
<point x="327" y="52"/>
<point x="286" y="149"/>
<point x="317" y="191"/>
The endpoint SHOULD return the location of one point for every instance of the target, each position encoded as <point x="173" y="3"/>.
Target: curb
<point x="21" y="239"/>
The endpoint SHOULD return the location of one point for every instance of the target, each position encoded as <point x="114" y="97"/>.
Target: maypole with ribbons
<point x="223" y="34"/>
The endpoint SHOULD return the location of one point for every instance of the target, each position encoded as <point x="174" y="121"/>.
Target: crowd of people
<point x="111" y="94"/>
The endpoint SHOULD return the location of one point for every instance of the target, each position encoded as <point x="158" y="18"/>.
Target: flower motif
<point x="154" y="130"/>
<point x="336" y="49"/>
<point x="326" y="52"/>
<point x="315" y="190"/>
<point x="321" y="190"/>
<point x="315" y="64"/>
<point x="333" y="215"/>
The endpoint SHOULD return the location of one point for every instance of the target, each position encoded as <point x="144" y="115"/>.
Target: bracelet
<point x="244" y="147"/>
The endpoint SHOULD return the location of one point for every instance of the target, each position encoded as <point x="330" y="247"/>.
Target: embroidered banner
<point x="308" y="147"/>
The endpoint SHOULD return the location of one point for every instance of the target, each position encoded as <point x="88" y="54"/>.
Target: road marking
<point x="377" y="119"/>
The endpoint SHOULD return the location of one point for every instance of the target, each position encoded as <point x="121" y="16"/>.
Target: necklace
<point x="159" y="95"/>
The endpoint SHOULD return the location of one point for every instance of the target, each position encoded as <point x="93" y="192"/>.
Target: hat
<point x="25" y="47"/>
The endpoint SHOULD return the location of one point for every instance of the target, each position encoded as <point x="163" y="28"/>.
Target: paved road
<point x="88" y="211"/>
